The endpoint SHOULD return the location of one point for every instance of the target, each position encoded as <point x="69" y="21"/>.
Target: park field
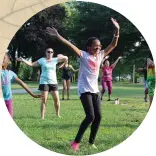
<point x="118" y="121"/>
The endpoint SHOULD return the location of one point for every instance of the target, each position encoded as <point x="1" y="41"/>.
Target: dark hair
<point x="48" y="48"/>
<point x="105" y="61"/>
<point x="89" y="42"/>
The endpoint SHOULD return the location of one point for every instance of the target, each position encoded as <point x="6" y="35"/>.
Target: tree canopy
<point x="78" y="21"/>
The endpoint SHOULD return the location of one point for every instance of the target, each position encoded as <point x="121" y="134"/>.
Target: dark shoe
<point x="145" y="99"/>
<point x="109" y="100"/>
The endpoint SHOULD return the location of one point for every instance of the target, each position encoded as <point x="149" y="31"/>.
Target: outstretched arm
<point x="139" y="69"/>
<point x="115" y="38"/>
<point x="71" y="67"/>
<point x="31" y="64"/>
<point x="114" y="64"/>
<point x="21" y="83"/>
<point x="53" y="32"/>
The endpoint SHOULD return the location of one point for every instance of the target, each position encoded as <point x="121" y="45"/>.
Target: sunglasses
<point x="50" y="52"/>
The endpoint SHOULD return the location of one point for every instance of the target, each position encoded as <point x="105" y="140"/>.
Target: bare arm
<point x="150" y="62"/>
<point x="115" y="38"/>
<point x="31" y="64"/>
<point x="21" y="83"/>
<point x="71" y="67"/>
<point x="115" y="63"/>
<point x="60" y="66"/>
<point x="53" y="32"/>
<point x="139" y="69"/>
<point x="62" y="58"/>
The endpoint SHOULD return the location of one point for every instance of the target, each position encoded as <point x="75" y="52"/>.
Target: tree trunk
<point x="35" y="74"/>
<point x="134" y="73"/>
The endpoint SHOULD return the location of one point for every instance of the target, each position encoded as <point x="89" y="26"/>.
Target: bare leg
<point x="56" y="99"/>
<point x="64" y="88"/>
<point x="43" y="103"/>
<point x="68" y="89"/>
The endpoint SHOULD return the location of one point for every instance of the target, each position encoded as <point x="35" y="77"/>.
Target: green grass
<point x="118" y="121"/>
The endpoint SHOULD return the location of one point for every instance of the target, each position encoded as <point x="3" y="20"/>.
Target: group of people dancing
<point x="90" y="62"/>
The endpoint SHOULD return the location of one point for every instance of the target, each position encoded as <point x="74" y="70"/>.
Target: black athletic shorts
<point x="48" y="87"/>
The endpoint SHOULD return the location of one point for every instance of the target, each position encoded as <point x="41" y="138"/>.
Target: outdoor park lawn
<point x="32" y="84"/>
<point x="118" y="121"/>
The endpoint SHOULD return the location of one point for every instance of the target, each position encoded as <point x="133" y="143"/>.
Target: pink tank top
<point x="107" y="73"/>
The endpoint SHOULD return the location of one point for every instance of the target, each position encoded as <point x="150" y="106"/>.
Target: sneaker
<point x="58" y="116"/>
<point x="75" y="146"/>
<point x="101" y="98"/>
<point x="93" y="146"/>
<point x="109" y="100"/>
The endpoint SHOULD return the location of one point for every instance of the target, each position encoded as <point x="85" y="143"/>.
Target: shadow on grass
<point x="75" y="99"/>
<point x="30" y="117"/>
<point x="119" y="125"/>
<point x="137" y="110"/>
<point x="69" y="126"/>
<point x="52" y="125"/>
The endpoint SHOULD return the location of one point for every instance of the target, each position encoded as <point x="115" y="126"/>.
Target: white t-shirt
<point x="89" y="72"/>
<point x="48" y="75"/>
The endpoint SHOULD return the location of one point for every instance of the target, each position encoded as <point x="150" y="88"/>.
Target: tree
<point x="90" y="19"/>
<point x="31" y="40"/>
<point x="78" y="21"/>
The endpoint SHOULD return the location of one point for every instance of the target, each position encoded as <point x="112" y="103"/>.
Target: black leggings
<point x="92" y="106"/>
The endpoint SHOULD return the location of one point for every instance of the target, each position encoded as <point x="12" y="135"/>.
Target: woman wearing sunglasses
<point x="48" y="79"/>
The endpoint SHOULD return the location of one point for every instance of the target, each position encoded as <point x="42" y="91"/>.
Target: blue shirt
<point x="48" y="75"/>
<point x="7" y="77"/>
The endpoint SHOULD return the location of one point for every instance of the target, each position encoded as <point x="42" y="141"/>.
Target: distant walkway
<point x="22" y="91"/>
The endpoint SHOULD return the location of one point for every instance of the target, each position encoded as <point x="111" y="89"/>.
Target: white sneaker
<point x="93" y="146"/>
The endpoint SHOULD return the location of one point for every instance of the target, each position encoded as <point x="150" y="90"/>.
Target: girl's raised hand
<point x="115" y="23"/>
<point x="52" y="31"/>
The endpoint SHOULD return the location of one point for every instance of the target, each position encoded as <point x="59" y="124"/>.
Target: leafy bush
<point x="25" y="72"/>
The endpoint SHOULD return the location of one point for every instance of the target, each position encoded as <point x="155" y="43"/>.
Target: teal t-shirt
<point x="48" y="74"/>
<point x="7" y="77"/>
